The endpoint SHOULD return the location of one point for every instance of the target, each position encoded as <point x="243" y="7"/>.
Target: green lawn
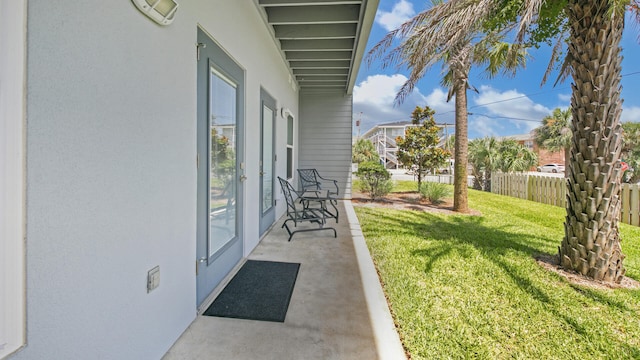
<point x="398" y="186"/>
<point x="468" y="286"/>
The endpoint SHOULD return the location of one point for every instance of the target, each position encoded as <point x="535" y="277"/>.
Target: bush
<point x="434" y="192"/>
<point x="375" y="179"/>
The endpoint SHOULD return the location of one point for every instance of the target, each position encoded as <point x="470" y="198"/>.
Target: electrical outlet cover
<point x="153" y="278"/>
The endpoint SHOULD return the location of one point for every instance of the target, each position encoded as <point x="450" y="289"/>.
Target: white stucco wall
<point x="12" y="194"/>
<point x="111" y="177"/>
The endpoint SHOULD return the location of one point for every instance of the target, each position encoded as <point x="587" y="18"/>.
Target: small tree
<point x="364" y="150"/>
<point x="223" y="164"/>
<point x="489" y="154"/>
<point x="513" y="156"/>
<point x="375" y="179"/>
<point x="419" y="147"/>
<point x="483" y="157"/>
<point x="555" y="133"/>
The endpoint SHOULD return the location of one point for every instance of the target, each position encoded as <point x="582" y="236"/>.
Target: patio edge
<point x="387" y="340"/>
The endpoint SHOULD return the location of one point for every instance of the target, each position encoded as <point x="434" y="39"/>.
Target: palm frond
<point x="556" y="51"/>
<point x="530" y="11"/>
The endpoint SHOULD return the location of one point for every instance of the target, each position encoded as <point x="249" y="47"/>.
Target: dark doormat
<point x="261" y="290"/>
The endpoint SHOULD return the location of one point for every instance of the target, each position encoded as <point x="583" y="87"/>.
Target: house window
<point x="12" y="199"/>
<point x="289" y="147"/>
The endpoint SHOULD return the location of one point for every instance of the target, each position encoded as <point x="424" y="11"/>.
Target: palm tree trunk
<point x="460" y="201"/>
<point x="591" y="245"/>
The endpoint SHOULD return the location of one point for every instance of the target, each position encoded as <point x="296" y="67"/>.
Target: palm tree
<point x="438" y="36"/>
<point x="592" y="30"/>
<point x="483" y="157"/>
<point x="591" y="245"/>
<point x="555" y="133"/>
<point x="488" y="154"/>
<point x="513" y="156"/>
<point x="364" y="150"/>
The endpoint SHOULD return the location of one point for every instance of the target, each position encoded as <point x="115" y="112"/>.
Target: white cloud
<point x="565" y="98"/>
<point x="373" y="103"/>
<point x="505" y="110"/>
<point x="437" y="100"/>
<point x="378" y="89"/>
<point x="482" y="126"/>
<point x="374" y="98"/>
<point x="631" y="113"/>
<point x="401" y="12"/>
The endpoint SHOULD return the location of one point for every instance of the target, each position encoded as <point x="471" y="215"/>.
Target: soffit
<point x="322" y="41"/>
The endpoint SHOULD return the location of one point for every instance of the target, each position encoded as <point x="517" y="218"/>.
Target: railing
<point x="392" y="157"/>
<point x="382" y="142"/>
<point x="552" y="191"/>
<point x="385" y="147"/>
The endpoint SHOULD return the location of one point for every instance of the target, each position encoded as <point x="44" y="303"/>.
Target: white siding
<point x="325" y="136"/>
<point x="111" y="176"/>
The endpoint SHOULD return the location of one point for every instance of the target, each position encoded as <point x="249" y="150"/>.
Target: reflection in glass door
<point x="222" y="184"/>
<point x="267" y="161"/>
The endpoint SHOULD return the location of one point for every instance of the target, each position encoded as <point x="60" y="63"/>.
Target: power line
<point x="516" y="98"/>
<point x="530" y="94"/>
<point x="504" y="117"/>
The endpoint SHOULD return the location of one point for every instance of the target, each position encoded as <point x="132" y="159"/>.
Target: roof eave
<point x="370" y="9"/>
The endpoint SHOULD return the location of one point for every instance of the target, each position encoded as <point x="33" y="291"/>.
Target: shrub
<point x="375" y="179"/>
<point x="434" y="192"/>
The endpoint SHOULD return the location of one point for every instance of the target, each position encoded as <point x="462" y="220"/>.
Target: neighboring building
<point x="107" y="166"/>
<point x="544" y="156"/>
<point x="384" y="136"/>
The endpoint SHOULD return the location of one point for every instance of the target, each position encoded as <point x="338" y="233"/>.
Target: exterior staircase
<point x="387" y="149"/>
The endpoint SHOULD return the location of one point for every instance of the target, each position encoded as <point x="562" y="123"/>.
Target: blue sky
<point x="517" y="104"/>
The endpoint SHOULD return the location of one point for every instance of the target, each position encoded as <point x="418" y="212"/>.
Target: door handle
<point x="243" y="177"/>
<point x="261" y="173"/>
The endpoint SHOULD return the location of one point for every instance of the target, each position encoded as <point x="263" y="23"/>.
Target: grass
<point x="398" y="185"/>
<point x="468" y="286"/>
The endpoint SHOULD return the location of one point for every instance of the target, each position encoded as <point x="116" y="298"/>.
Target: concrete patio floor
<point x="337" y="309"/>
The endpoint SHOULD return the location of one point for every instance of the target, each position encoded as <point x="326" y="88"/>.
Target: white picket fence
<point x="552" y="191"/>
<point x="445" y="179"/>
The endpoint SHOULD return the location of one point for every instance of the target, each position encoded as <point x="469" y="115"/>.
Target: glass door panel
<point x="267" y="159"/>
<point x="222" y="160"/>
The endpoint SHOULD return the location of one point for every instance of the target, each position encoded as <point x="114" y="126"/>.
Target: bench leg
<point x="291" y="233"/>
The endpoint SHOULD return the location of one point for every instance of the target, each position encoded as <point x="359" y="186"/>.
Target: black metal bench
<point x="308" y="206"/>
<point x="310" y="180"/>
